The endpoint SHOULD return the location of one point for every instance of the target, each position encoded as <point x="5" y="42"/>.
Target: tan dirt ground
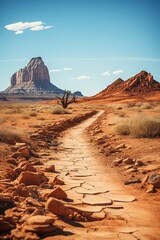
<point x="138" y="220"/>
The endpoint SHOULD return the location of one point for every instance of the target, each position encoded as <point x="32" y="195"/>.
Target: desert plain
<point x="90" y="171"/>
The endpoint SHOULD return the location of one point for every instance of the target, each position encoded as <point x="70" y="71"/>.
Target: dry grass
<point x="33" y="114"/>
<point x="2" y="120"/>
<point x="8" y="135"/>
<point x="139" y="126"/>
<point x="57" y="109"/>
<point x="25" y="116"/>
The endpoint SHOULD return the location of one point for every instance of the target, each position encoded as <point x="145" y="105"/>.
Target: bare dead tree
<point x="65" y="100"/>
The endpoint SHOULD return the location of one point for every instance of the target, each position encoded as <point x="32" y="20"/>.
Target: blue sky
<point x="86" y="44"/>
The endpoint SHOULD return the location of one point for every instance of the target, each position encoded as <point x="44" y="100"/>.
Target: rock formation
<point x="141" y="83"/>
<point x="32" y="79"/>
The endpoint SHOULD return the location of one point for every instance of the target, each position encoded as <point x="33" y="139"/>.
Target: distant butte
<point x="33" y="80"/>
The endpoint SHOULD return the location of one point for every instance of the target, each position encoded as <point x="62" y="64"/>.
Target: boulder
<point x="154" y="179"/>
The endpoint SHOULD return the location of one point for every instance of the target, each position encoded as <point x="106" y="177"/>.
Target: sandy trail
<point x="94" y="185"/>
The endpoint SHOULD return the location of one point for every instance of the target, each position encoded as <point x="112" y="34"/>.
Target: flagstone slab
<point x="96" y="200"/>
<point x="86" y="209"/>
<point x="90" y="191"/>
<point x="121" y="198"/>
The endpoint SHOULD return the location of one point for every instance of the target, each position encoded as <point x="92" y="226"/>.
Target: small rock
<point x="128" y="161"/>
<point x="58" y="193"/>
<point x="29" y="167"/>
<point x="33" y="154"/>
<point x="58" y="181"/>
<point x="139" y="163"/>
<point x="57" y="207"/>
<point x="133" y="169"/>
<point x="22" y="190"/>
<point x="128" y="167"/>
<point x="98" y="216"/>
<point x="40" y="229"/>
<point x="122" y="145"/>
<point x="117" y="162"/>
<point x="144" y="180"/>
<point x="24" y="152"/>
<point x="34" y="202"/>
<point x="19" y="145"/>
<point x="150" y="188"/>
<point x="132" y="181"/>
<point x="50" y="168"/>
<point x="40" y="220"/>
<point x="154" y="179"/>
<point x="29" y="178"/>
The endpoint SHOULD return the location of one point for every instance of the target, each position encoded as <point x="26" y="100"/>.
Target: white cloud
<point x="67" y="69"/>
<point x="55" y="70"/>
<point x="19" y="32"/>
<point x="107" y="73"/>
<point x="38" y="28"/>
<point x="82" y="77"/>
<point x="116" y="72"/>
<point x="19" y="27"/>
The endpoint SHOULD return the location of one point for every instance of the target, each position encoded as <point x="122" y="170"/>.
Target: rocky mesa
<point x="32" y="79"/>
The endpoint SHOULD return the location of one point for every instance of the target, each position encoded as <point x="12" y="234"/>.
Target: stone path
<point x="94" y="188"/>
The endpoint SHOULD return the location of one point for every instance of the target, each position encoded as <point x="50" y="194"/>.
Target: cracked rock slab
<point x="96" y="200"/>
<point x="121" y="198"/>
<point x="91" y="191"/>
<point x="86" y="209"/>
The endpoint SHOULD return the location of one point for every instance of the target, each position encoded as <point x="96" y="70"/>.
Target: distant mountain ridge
<point x="141" y="83"/>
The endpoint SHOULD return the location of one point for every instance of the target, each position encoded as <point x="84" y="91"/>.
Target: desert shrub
<point x="139" y="126"/>
<point x="131" y="105"/>
<point x="146" y="105"/>
<point x="14" y="110"/>
<point x="57" y="109"/>
<point x="122" y="129"/>
<point x="7" y="135"/>
<point x="122" y="114"/>
<point x="25" y="116"/>
<point x="33" y="114"/>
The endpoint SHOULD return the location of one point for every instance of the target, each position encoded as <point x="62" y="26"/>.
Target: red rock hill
<point x="141" y="83"/>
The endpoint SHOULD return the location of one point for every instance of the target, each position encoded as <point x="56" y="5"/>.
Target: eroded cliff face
<point x="34" y="71"/>
<point x="33" y="79"/>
